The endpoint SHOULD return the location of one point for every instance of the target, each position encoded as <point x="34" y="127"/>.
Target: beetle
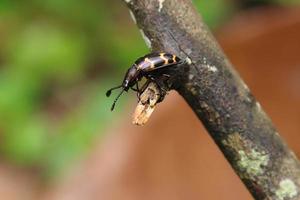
<point x="144" y="67"/>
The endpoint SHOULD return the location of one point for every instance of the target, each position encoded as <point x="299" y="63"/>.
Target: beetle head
<point x="130" y="78"/>
<point x="129" y="81"/>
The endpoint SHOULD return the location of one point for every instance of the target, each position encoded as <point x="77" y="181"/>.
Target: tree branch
<point x="220" y="99"/>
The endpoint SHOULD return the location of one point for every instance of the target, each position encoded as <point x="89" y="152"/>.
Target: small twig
<point x="146" y="105"/>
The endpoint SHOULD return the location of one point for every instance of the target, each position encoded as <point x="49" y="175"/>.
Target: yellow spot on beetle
<point x="151" y="63"/>
<point x="174" y="58"/>
<point x="162" y="56"/>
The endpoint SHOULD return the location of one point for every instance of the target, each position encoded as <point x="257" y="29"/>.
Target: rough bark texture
<point x="220" y="99"/>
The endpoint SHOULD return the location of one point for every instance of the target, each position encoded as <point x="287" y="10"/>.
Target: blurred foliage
<point x="288" y="2"/>
<point x="215" y="12"/>
<point x="57" y="58"/>
<point x="54" y="55"/>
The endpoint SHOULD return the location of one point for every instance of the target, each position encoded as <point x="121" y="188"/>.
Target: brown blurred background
<point x="59" y="141"/>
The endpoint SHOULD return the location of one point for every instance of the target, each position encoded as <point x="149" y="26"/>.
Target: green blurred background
<point x="57" y="58"/>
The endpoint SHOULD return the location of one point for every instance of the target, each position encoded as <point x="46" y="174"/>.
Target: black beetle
<point x="143" y="67"/>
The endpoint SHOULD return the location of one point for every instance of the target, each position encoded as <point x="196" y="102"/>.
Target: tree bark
<point x="219" y="97"/>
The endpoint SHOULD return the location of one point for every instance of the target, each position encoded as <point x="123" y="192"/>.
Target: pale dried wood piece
<point x="146" y="105"/>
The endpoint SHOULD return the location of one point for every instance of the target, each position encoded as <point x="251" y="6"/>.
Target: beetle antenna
<point x="108" y="93"/>
<point x="179" y="47"/>
<point x="113" y="105"/>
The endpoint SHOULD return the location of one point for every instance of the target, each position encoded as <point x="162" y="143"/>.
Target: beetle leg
<point x="134" y="89"/>
<point x="137" y="87"/>
<point x="138" y="90"/>
<point x="162" y="91"/>
<point x="166" y="75"/>
<point x="145" y="85"/>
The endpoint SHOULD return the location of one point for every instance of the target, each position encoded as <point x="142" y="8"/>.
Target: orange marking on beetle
<point x="174" y="58"/>
<point x="162" y="56"/>
<point x="142" y="65"/>
<point x="151" y="62"/>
